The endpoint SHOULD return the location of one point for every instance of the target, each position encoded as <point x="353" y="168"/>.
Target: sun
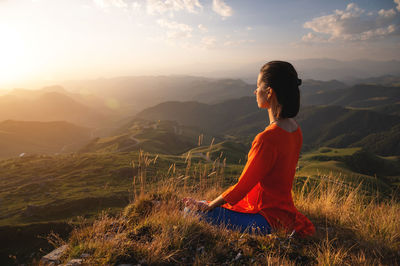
<point x="15" y="60"/>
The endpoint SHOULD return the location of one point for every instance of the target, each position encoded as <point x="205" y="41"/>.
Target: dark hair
<point x="282" y="78"/>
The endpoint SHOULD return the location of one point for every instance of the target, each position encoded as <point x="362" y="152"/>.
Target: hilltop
<point x="40" y="193"/>
<point x="352" y="227"/>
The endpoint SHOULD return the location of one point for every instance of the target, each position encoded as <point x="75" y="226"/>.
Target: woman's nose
<point x="255" y="92"/>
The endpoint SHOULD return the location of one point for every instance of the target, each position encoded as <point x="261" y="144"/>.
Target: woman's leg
<point x="237" y="220"/>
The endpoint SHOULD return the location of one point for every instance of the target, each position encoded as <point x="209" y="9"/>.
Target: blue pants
<point x="237" y="220"/>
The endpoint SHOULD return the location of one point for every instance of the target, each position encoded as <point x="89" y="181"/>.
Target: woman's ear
<point x="270" y="93"/>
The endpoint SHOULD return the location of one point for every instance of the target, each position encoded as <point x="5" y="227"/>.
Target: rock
<point x="239" y="256"/>
<point x="53" y="258"/>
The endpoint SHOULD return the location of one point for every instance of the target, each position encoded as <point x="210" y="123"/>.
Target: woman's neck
<point x="272" y="118"/>
<point x="287" y="124"/>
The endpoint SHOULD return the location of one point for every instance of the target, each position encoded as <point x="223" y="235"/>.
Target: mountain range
<point x="333" y="113"/>
<point x="336" y="126"/>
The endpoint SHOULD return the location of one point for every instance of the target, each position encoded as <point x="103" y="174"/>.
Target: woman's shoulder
<point x="268" y="135"/>
<point x="274" y="134"/>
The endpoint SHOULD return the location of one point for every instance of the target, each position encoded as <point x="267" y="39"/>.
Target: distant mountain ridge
<point x="48" y="105"/>
<point x="361" y="95"/>
<point x="144" y="91"/>
<point x="32" y="137"/>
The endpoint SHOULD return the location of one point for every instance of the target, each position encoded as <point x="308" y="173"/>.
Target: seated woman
<point x="262" y="197"/>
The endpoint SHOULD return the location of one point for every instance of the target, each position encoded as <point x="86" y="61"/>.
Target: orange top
<point x="265" y="185"/>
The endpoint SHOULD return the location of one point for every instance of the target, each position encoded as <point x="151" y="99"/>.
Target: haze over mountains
<point x="136" y="93"/>
<point x="32" y="137"/>
<point x="318" y="68"/>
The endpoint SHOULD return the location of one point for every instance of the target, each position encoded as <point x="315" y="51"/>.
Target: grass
<point x="352" y="227"/>
<point x="352" y="165"/>
<point x="330" y="152"/>
<point x="55" y="186"/>
<point x="237" y="152"/>
<point x="63" y="187"/>
<point x="163" y="137"/>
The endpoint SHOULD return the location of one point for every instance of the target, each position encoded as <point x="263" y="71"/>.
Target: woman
<point x="262" y="199"/>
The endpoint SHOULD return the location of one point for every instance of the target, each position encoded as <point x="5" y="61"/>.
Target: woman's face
<point x="262" y="93"/>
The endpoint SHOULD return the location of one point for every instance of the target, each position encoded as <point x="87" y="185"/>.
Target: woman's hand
<point x="196" y="204"/>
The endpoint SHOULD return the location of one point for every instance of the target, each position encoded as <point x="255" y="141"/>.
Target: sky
<point x="51" y="40"/>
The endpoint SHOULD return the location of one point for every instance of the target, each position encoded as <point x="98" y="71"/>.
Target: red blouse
<point x="265" y="185"/>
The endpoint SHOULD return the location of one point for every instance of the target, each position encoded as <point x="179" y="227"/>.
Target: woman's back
<point x="287" y="146"/>
<point x="271" y="166"/>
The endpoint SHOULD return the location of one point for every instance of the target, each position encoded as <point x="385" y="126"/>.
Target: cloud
<point x="163" y="6"/>
<point x="176" y="30"/>
<point x="208" y="42"/>
<point x="237" y="42"/>
<point x="390" y="13"/>
<point x="311" y="37"/>
<point x="202" y="28"/>
<point x="397" y="2"/>
<point x="136" y="5"/>
<point x="222" y="9"/>
<point x="110" y="3"/>
<point x="351" y="24"/>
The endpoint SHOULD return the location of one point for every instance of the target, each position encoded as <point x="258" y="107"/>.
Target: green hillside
<point x="42" y="188"/>
<point x="164" y="137"/>
<point x="341" y="127"/>
<point x="234" y="152"/>
<point x="354" y="165"/>
<point x="360" y="95"/>
<point x="39" y="192"/>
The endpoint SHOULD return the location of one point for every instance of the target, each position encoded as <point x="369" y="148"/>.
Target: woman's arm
<point x="203" y="205"/>
<point x="261" y="159"/>
<point x="215" y="203"/>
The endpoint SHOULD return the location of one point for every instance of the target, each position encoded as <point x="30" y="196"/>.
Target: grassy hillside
<point x="311" y="87"/>
<point x="361" y="95"/>
<point x="164" y="137"/>
<point x="44" y="192"/>
<point x="39" y="192"/>
<point x="31" y="137"/>
<point x="354" y="165"/>
<point x="234" y="152"/>
<point x="341" y="127"/>
<point x="42" y="188"/>
<point x="351" y="228"/>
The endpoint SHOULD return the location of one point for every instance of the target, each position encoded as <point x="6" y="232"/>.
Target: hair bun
<point x="299" y="82"/>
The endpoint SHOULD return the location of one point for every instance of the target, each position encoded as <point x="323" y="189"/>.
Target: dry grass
<point x="352" y="228"/>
